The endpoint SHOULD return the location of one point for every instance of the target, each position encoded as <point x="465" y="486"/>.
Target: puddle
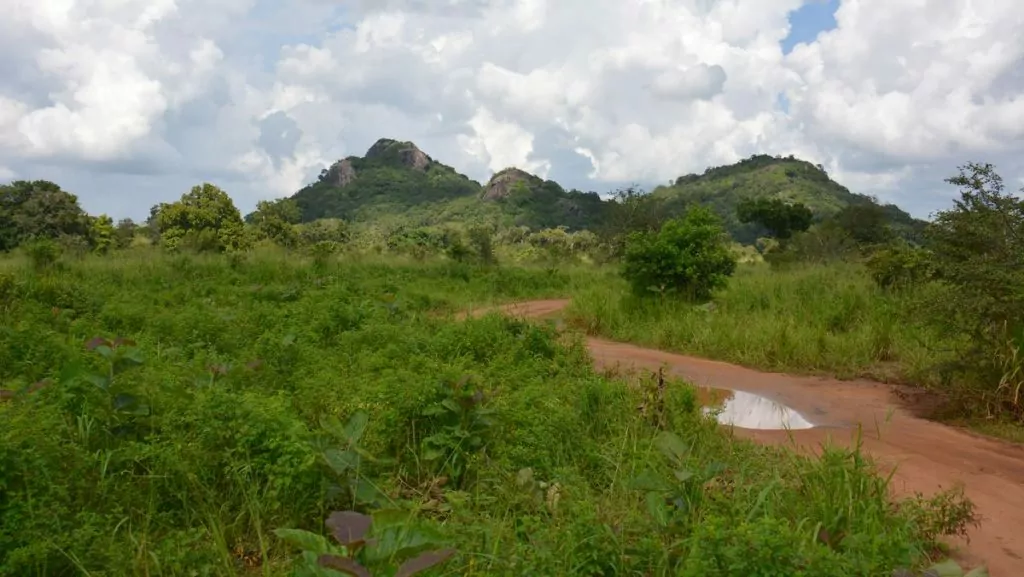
<point x="750" y="411"/>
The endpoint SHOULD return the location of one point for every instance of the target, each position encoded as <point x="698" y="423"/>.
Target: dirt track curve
<point x="929" y="455"/>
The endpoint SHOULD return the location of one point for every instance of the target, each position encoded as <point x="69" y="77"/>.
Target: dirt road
<point x="928" y="455"/>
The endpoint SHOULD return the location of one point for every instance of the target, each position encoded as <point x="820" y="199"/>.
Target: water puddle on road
<point x="750" y="411"/>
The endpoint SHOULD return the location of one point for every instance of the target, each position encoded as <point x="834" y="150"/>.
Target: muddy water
<point x="749" y="411"/>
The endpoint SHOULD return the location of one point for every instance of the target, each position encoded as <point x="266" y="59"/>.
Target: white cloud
<point x="590" y="93"/>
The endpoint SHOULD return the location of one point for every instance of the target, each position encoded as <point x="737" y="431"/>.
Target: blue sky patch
<point x="808" y="21"/>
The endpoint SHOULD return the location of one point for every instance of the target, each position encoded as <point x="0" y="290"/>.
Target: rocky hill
<point x="787" y="178"/>
<point x="397" y="182"/>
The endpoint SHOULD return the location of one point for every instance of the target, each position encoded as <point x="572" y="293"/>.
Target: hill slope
<point x="396" y="183"/>
<point x="391" y="178"/>
<point x="787" y="178"/>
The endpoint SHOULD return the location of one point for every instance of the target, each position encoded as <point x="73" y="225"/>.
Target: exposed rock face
<point x="341" y="173"/>
<point x="501" y="184"/>
<point x="405" y="153"/>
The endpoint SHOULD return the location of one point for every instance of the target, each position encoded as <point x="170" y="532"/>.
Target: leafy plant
<point x="125" y="407"/>
<point x="670" y="500"/>
<point x="688" y="256"/>
<point x="459" y="425"/>
<point x="345" y="459"/>
<point x="396" y="540"/>
<point x="42" y="253"/>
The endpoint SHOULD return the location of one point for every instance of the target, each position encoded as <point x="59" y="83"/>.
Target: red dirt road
<point x="928" y="455"/>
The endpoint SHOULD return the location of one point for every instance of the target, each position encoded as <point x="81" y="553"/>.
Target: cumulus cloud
<point x="259" y="96"/>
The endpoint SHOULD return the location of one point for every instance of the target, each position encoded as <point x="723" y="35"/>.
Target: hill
<point x="763" y="176"/>
<point x="391" y="178"/>
<point x="397" y="183"/>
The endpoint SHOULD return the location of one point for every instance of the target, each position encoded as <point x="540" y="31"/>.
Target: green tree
<point x="124" y="233"/>
<point x="689" y="256"/>
<point x="102" y="234"/>
<point x="275" y="220"/>
<point x="781" y="218"/>
<point x="977" y="252"/>
<point x="631" y="210"/>
<point x="866" y="223"/>
<point x="205" y="218"/>
<point x="324" y="230"/>
<point x="38" y="209"/>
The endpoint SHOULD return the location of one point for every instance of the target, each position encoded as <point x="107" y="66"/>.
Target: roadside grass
<point x="814" y="319"/>
<point x="176" y="415"/>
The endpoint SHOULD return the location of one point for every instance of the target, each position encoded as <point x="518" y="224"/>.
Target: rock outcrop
<point x="341" y="173"/>
<point x="405" y="153"/>
<point x="504" y="181"/>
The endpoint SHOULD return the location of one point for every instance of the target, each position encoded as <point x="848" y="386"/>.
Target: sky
<point x="127" y="103"/>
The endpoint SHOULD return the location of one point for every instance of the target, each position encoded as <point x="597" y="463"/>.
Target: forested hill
<point x="763" y="176"/>
<point x="397" y="183"/>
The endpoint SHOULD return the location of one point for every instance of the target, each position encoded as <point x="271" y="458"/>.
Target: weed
<point x="394" y="540"/>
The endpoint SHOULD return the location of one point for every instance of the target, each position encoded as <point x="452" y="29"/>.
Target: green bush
<point x="689" y="256"/>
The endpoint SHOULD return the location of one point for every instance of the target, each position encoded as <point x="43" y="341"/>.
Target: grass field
<point x="815" y="319"/>
<point x="171" y="414"/>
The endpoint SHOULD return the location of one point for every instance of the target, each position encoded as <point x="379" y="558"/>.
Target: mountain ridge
<point x="395" y="181"/>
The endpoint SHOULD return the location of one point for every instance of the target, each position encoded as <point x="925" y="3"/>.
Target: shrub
<point x="689" y="255"/>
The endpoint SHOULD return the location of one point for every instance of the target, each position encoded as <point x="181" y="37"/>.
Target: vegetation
<point x="849" y="297"/>
<point x="787" y="179"/>
<point x="203" y="394"/>
<point x="189" y="414"/>
<point x="779" y="218"/>
<point x="689" y="256"/>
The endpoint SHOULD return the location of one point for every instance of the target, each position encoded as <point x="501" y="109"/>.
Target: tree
<point x="631" y="210"/>
<point x="977" y="251"/>
<point x="205" y="218"/>
<point x="689" y="255"/>
<point x="124" y="233"/>
<point x="866" y="223"/>
<point x="38" y="209"/>
<point x="101" y="233"/>
<point x="275" y="220"/>
<point x="779" y="217"/>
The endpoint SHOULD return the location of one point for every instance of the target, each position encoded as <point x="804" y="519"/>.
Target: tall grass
<point x="814" y="319"/>
<point x="181" y="450"/>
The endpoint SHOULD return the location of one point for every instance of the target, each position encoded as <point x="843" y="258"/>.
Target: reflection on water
<point x="750" y="411"/>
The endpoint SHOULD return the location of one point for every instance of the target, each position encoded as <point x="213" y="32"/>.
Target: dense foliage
<point x="205" y="218"/>
<point x="788" y="179"/>
<point x="781" y="219"/>
<point x="204" y="415"/>
<point x="688" y="256"/>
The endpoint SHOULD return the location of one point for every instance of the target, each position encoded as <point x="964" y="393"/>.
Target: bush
<point x="689" y="255"/>
<point x="900" y="265"/>
<point x="43" y="253"/>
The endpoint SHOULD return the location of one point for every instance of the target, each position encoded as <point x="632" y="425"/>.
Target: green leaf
<point x="365" y="492"/>
<point x="657" y="508"/>
<point x="303" y="540"/>
<point x="683" y="475"/>
<point x="341" y="462"/>
<point x="650" y="481"/>
<point x="98" y="380"/>
<point x="672" y="446"/>
<point x="356" y="426"/>
<point x="978" y="572"/>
